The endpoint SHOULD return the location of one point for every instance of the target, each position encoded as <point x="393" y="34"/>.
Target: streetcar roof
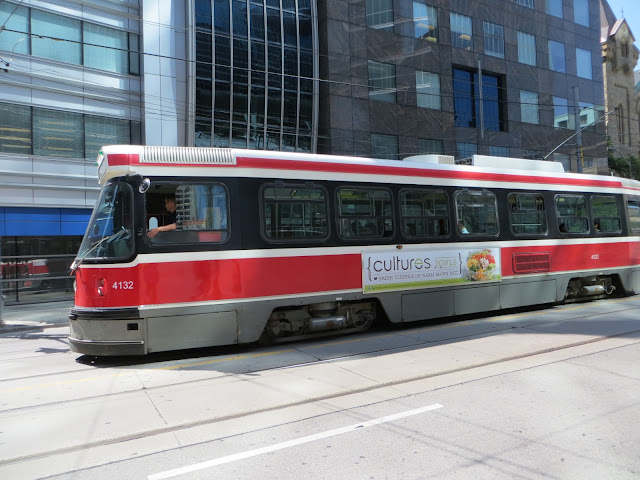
<point x="121" y="160"/>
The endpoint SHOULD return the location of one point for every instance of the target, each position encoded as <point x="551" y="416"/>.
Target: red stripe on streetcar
<point x="210" y="280"/>
<point x="122" y="158"/>
<point x="364" y="169"/>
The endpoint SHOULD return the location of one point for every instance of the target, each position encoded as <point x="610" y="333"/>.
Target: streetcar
<point x="200" y="247"/>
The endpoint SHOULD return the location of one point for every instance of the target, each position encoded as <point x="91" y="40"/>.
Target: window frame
<point x="561" y="219"/>
<point x="544" y="213"/>
<point x="339" y="217"/>
<point x="378" y="92"/>
<point x="493" y="38"/>
<point x="429" y="100"/>
<point x="374" y="17"/>
<point x="527" y="53"/>
<point x="634" y="225"/>
<point x="424" y="22"/>
<point x="294" y="185"/>
<point x="461" y="217"/>
<point x="437" y="217"/>
<point x="464" y="22"/>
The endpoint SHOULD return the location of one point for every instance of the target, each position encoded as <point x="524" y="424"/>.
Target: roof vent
<point x="188" y="155"/>
<point x="509" y="163"/>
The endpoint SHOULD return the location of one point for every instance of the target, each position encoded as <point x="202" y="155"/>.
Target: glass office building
<point x="254" y="74"/>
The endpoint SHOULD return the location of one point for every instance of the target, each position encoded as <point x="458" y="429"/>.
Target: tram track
<point x="321" y="398"/>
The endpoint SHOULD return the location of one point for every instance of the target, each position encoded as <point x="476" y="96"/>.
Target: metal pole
<point x="481" y="96"/>
<point x="578" y="129"/>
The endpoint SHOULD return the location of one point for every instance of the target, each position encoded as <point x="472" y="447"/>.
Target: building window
<point x="466" y="150"/>
<point x="624" y="49"/>
<point x="527" y="48"/>
<point x="497" y="151"/>
<point x="294" y="212"/>
<point x="493" y="40"/>
<point x="428" y="90"/>
<point x="382" y="82"/>
<point x="55" y="133"/>
<point x="380" y="14"/>
<point x="587" y="114"/>
<point x="427" y="146"/>
<point x="15" y="19"/>
<point x="425" y="22"/>
<point x="561" y="117"/>
<point x="529" y="107"/>
<point x="384" y="146"/>
<point x="112" y="54"/>
<point x="556" y="56"/>
<point x="48" y="30"/>
<point x="554" y="7"/>
<point x="580" y="12"/>
<point x="526" y="3"/>
<point x="364" y="212"/>
<point x="461" y="31"/>
<point x="466" y="101"/>
<point x="620" y="123"/>
<point x="583" y="62"/>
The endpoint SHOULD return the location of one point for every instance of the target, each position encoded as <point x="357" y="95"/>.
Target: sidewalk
<point x="34" y="316"/>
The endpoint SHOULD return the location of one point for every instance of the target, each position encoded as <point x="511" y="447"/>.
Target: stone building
<point x="619" y="59"/>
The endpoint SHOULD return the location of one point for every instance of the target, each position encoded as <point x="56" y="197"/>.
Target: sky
<point x="631" y="14"/>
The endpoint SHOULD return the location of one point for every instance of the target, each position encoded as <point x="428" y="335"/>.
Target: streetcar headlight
<point x="100" y="285"/>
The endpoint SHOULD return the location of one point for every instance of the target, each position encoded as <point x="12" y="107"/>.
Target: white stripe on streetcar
<point x="291" y="443"/>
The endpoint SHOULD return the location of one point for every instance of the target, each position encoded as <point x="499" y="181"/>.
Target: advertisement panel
<point x="420" y="268"/>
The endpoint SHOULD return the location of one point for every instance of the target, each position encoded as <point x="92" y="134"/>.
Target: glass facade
<point x="255" y="78"/>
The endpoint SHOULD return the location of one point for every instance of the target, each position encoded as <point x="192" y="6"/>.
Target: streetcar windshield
<point x="109" y="234"/>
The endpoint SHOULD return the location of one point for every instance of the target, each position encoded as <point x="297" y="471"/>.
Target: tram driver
<point x="170" y="223"/>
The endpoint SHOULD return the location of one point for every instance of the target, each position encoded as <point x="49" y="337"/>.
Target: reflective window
<point x="380" y="14"/>
<point x="15" y="19"/>
<point x="56" y="133"/>
<point x="556" y="56"/>
<point x="425" y="22"/>
<point x="294" y="212"/>
<point x="580" y="12"/>
<point x="428" y="90"/>
<point x="466" y="150"/>
<point x="633" y="210"/>
<point x="564" y="159"/>
<point x="424" y="213"/>
<point x="382" y="82"/>
<point x="493" y="40"/>
<point x="426" y="145"/>
<point x="15" y="128"/>
<point x="203" y="15"/>
<point x="463" y="98"/>
<point x="187" y="213"/>
<point x="561" y="117"/>
<point x="529" y="107"/>
<point x="112" y="55"/>
<point x="530" y="154"/>
<point x="527" y="48"/>
<point x="466" y="101"/>
<point x="364" y="212"/>
<point x="554" y="7"/>
<point x="583" y="62"/>
<point x="526" y="3"/>
<point x="606" y="214"/>
<point x="498" y="151"/>
<point x="571" y="213"/>
<point x="461" y="31"/>
<point x="384" y="146"/>
<point x="476" y="212"/>
<point x="47" y="29"/>
<point x="100" y="131"/>
<point x="527" y="214"/>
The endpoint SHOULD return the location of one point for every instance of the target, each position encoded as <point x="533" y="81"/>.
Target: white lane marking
<point x="291" y="443"/>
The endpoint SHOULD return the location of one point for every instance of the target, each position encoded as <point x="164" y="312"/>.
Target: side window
<point x="425" y="213"/>
<point x="571" y="212"/>
<point x="364" y="213"/>
<point x="606" y="214"/>
<point x="187" y="213"/>
<point x="476" y="212"/>
<point x="633" y="209"/>
<point x="527" y="214"/>
<point x="294" y="212"/>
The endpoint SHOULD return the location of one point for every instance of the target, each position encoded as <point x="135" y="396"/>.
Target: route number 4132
<point x="126" y="285"/>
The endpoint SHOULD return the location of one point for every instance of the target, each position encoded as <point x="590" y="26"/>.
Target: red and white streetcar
<point x="195" y="247"/>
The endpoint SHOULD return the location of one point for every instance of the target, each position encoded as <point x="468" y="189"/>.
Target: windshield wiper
<point x="76" y="263"/>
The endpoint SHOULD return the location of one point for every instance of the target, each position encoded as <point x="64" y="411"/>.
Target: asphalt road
<point x="551" y="393"/>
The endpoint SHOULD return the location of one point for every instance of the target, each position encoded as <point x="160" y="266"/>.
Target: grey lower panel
<point x="426" y="305"/>
<point x="191" y="331"/>
<point x="529" y="293"/>
<point x="635" y="281"/>
<point x="477" y="299"/>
